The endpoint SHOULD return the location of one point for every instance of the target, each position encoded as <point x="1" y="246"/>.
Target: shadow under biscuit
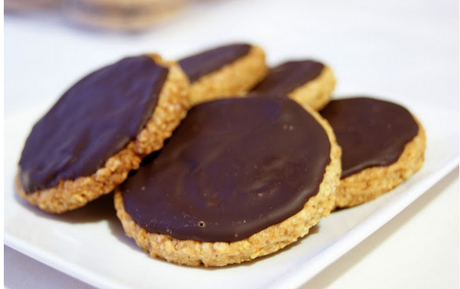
<point x="117" y="231"/>
<point x="99" y="210"/>
<point x="96" y="211"/>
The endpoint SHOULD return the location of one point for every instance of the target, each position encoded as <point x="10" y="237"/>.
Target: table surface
<point x="416" y="249"/>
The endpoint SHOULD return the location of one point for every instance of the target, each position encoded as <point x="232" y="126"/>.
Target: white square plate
<point x="89" y="244"/>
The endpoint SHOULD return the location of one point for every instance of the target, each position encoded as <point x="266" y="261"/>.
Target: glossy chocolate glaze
<point x="285" y="78"/>
<point x="92" y="121"/>
<point x="371" y="132"/>
<point x="232" y="168"/>
<point x="201" y="64"/>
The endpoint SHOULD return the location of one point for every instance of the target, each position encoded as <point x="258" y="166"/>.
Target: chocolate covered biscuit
<point x="306" y="81"/>
<point x="382" y="145"/>
<point x="224" y="71"/>
<point x="99" y="130"/>
<point x="239" y="179"/>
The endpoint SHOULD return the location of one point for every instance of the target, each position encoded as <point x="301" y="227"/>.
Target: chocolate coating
<point x="93" y="120"/>
<point x="201" y="64"/>
<point x="232" y="168"/>
<point x="371" y="132"/>
<point x="285" y="78"/>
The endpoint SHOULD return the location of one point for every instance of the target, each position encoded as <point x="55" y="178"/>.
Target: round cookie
<point x="306" y="81"/>
<point x="224" y="71"/>
<point x="241" y="178"/>
<point x="382" y="145"/>
<point x="99" y="130"/>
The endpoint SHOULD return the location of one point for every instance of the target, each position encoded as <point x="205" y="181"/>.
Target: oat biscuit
<point x="382" y="145"/>
<point x="99" y="130"/>
<point x="306" y="81"/>
<point x="224" y="71"/>
<point x="233" y="183"/>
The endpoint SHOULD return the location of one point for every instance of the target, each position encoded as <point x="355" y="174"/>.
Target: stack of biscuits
<point x="216" y="158"/>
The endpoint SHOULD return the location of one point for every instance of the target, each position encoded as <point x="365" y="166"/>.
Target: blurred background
<point x="120" y="15"/>
<point x="391" y="49"/>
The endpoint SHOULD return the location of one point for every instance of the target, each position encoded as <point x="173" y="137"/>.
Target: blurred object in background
<point x="118" y="15"/>
<point x="31" y="5"/>
<point x="126" y="15"/>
